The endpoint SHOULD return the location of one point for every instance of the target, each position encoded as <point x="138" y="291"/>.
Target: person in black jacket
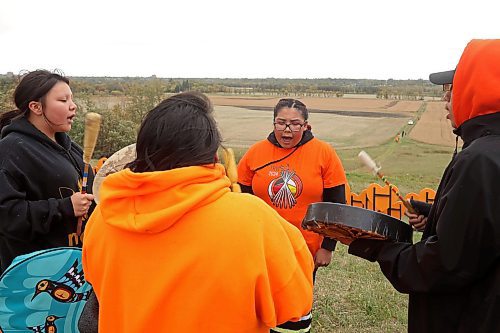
<point x="452" y="275"/>
<point x="40" y="169"/>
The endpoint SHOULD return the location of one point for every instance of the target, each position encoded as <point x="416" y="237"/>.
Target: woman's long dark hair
<point x="34" y="86"/>
<point x="181" y="131"/>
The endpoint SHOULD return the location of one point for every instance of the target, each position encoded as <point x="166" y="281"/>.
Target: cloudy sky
<point x="382" y="39"/>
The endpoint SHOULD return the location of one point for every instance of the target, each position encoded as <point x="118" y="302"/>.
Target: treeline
<point x="386" y="89"/>
<point x="139" y="95"/>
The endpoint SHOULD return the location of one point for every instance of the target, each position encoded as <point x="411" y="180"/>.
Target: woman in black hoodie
<point x="40" y="169"/>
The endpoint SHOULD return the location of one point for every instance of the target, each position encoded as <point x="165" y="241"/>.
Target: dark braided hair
<point x="292" y="104"/>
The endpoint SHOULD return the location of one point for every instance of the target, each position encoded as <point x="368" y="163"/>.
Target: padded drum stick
<point x="370" y="163"/>
<point x="231" y="169"/>
<point x="92" y="126"/>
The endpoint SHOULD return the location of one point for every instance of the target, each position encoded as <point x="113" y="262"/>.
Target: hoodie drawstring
<point x="455" y="152"/>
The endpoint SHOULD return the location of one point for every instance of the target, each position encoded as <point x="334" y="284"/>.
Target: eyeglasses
<point x="294" y="127"/>
<point x="447" y="88"/>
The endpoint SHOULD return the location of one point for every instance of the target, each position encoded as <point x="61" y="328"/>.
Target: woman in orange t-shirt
<point x="291" y="169"/>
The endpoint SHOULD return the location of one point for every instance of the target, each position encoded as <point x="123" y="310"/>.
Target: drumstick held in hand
<point x="92" y="126"/>
<point x="370" y="163"/>
<point x="231" y="169"/>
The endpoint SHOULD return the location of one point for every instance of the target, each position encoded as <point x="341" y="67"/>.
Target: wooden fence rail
<point x="382" y="199"/>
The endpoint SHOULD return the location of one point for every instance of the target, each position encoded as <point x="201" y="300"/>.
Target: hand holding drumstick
<point x="417" y="221"/>
<point x="81" y="203"/>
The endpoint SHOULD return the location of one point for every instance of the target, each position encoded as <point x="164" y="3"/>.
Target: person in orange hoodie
<point x="452" y="275"/>
<point x="170" y="248"/>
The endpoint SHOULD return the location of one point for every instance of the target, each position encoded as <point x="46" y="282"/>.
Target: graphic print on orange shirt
<point x="284" y="190"/>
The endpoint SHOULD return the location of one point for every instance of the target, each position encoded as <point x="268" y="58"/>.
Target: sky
<point x="356" y="39"/>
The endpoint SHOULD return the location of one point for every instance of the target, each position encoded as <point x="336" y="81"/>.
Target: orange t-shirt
<point x="290" y="185"/>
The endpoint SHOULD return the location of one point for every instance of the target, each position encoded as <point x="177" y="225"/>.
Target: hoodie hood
<point x="23" y="126"/>
<point x="476" y="84"/>
<point x="152" y="202"/>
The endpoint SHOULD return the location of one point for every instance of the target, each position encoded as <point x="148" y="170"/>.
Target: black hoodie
<point x="37" y="178"/>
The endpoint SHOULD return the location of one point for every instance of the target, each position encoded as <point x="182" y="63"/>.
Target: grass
<point x="409" y="165"/>
<point x="352" y="295"/>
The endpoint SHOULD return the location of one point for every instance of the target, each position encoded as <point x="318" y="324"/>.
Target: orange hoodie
<point x="475" y="85"/>
<point x="175" y="250"/>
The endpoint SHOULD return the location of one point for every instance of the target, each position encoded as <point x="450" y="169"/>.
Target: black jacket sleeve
<point x="422" y="207"/>
<point x="337" y="195"/>
<point x="465" y="244"/>
<point x="20" y="218"/>
<point x="246" y="188"/>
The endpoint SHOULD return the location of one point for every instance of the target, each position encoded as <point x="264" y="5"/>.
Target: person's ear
<point x="35" y="107"/>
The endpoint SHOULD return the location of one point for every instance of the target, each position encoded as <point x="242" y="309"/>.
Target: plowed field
<point x="343" y="122"/>
<point x="433" y="127"/>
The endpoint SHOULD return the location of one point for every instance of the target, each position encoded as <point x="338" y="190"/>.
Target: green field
<point x="352" y="295"/>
